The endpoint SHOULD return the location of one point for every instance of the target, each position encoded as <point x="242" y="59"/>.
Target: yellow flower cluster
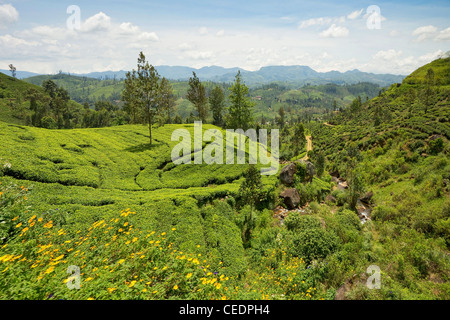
<point x="105" y="251"/>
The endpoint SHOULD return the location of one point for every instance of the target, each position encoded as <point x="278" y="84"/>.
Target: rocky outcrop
<point x="287" y="174"/>
<point x="367" y="198"/>
<point x="291" y="198"/>
<point x="335" y="173"/>
<point x="330" y="199"/>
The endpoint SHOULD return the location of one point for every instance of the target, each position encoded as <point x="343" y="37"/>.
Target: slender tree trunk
<point x="150" y="129"/>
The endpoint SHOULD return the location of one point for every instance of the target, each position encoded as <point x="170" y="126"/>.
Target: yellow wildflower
<point x="49" y="270"/>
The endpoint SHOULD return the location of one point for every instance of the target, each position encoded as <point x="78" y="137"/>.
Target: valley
<point x="364" y="180"/>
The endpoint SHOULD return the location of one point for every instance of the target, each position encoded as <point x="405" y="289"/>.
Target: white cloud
<point x="388" y="54"/>
<point x="394" y="61"/>
<point x="200" y="55"/>
<point x="11" y="42"/>
<point x="334" y="31"/>
<point x="430" y="56"/>
<point x="394" y="33"/>
<point x="185" y="46"/>
<point x="355" y="14"/>
<point x="8" y="15"/>
<point x="321" y="21"/>
<point x="315" y="21"/>
<point x="47" y="33"/>
<point x="98" y="22"/>
<point x="424" y="29"/>
<point x="149" y="36"/>
<point x="203" y="30"/>
<point x="220" y="33"/>
<point x="425" y="32"/>
<point x="287" y="19"/>
<point x="444" y="34"/>
<point x="127" y="28"/>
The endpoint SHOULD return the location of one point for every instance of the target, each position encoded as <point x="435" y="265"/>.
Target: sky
<point x="99" y="35"/>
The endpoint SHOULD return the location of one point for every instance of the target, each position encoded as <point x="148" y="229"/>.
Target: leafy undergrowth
<point x="43" y="256"/>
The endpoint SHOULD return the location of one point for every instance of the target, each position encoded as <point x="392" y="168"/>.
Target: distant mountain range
<point x="285" y="74"/>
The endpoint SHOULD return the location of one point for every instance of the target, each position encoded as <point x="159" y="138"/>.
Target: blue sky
<point x="324" y="35"/>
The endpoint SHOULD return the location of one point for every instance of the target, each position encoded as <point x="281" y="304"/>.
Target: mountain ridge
<point x="298" y="74"/>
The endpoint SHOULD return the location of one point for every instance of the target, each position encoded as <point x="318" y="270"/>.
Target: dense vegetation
<point x="107" y="201"/>
<point x="301" y="102"/>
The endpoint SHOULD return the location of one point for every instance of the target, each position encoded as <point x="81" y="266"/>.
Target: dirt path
<point x="329" y="125"/>
<point x="308" y="147"/>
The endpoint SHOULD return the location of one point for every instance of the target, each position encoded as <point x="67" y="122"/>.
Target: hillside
<point x="397" y="147"/>
<point x="83" y="89"/>
<point x="300" y="100"/>
<point x="12" y="103"/>
<point x="26" y="103"/>
<point x="376" y="193"/>
<point x="19" y="74"/>
<point x="307" y="101"/>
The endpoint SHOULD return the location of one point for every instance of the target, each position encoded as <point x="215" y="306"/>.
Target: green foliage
<point x="240" y="110"/>
<point x="308" y="239"/>
<point x="142" y="94"/>
<point x="251" y="187"/>
<point x="297" y="222"/>
<point x="197" y="96"/>
<point x="436" y="146"/>
<point x="217" y="103"/>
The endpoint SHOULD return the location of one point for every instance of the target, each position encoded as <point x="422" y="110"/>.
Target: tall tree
<point x="298" y="138"/>
<point x="197" y="96"/>
<point x="355" y="187"/>
<point x="251" y="186"/>
<point x="240" y="110"/>
<point x="281" y="119"/>
<point x="320" y="163"/>
<point x="12" y="69"/>
<point x="142" y="94"/>
<point x="59" y="98"/>
<point x="217" y="103"/>
<point x="167" y="100"/>
<point x="250" y="192"/>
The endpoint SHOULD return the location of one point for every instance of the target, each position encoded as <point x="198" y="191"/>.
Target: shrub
<point x="314" y="243"/>
<point x="436" y="146"/>
<point x="297" y="222"/>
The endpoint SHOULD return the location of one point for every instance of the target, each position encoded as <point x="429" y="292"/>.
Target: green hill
<point x="15" y="101"/>
<point x="299" y="100"/>
<point x="139" y="227"/>
<point x="12" y="103"/>
<point x="397" y="146"/>
<point x="77" y="176"/>
<point x="318" y="99"/>
<point x="83" y="89"/>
